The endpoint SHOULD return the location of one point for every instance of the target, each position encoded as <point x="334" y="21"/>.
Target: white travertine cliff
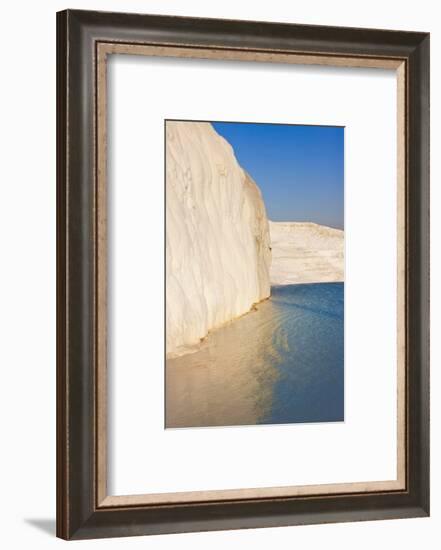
<point x="306" y="253"/>
<point x="217" y="237"/>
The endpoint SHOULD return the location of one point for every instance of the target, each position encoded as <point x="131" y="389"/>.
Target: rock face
<point x="217" y="237"/>
<point x="306" y="253"/>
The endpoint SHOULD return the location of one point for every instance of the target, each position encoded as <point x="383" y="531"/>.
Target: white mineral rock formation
<point x="306" y="253"/>
<point x="217" y="237"/>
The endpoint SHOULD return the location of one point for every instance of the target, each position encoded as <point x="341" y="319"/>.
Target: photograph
<point x="254" y="273"/>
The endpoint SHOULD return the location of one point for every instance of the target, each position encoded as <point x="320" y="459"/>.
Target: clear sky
<point x="299" y="169"/>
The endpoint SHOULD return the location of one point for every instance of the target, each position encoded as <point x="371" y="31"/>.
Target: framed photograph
<point x="242" y="274"/>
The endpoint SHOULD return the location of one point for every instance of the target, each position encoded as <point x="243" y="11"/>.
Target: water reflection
<point x="281" y="363"/>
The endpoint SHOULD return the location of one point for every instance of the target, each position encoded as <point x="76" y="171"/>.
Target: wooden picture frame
<point x="84" y="40"/>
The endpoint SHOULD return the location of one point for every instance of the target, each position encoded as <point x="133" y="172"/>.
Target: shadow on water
<point x="282" y="363"/>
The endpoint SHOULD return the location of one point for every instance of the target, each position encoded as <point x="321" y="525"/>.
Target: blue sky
<point x="299" y="169"/>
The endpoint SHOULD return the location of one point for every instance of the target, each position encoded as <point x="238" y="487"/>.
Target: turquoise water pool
<point x="281" y="363"/>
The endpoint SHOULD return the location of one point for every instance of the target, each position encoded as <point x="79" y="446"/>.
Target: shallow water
<point x="279" y="364"/>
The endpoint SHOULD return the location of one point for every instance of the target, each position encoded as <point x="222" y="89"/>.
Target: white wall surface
<point x="27" y="277"/>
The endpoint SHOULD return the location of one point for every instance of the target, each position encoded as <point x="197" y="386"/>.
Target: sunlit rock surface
<point x="217" y="237"/>
<point x="306" y="253"/>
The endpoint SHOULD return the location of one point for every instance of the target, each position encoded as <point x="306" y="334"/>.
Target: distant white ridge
<point x="217" y="237"/>
<point x="306" y="253"/>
